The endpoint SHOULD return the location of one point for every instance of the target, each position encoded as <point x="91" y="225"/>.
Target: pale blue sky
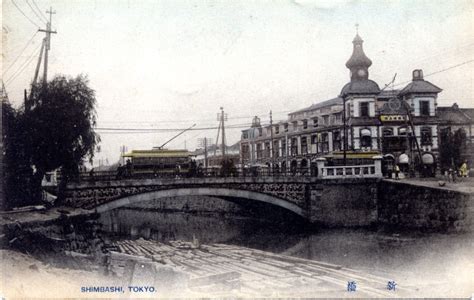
<point x="154" y="63"/>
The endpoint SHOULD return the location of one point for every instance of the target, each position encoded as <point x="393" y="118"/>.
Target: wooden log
<point x="213" y="279"/>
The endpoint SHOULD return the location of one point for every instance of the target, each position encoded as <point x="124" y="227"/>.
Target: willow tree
<point x="56" y="128"/>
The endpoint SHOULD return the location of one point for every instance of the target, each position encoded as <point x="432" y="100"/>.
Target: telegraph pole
<point x="47" y="44"/>
<point x="223" y="117"/>
<point x="204" y="142"/>
<point x="271" y="145"/>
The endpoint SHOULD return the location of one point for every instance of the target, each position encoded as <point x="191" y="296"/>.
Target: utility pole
<point x="123" y="149"/>
<point x="47" y="43"/>
<point x="344" y="130"/>
<point x="271" y="145"/>
<point x="203" y="142"/>
<point x="223" y="117"/>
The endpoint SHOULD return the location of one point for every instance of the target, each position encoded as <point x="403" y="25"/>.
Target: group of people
<point x="450" y="174"/>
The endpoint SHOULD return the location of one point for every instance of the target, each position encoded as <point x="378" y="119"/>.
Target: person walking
<point x="463" y="170"/>
<point x="397" y="172"/>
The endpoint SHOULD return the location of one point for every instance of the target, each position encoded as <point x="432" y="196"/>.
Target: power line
<point x="32" y="22"/>
<point x="440" y="71"/>
<point x="21" y="52"/>
<point x="34" y="11"/>
<point x="39" y="10"/>
<point x="22" y="67"/>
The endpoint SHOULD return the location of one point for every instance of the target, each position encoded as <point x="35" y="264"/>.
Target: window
<point x="269" y="131"/>
<point x="305" y="124"/>
<point x="426" y="137"/>
<point x="294" y="147"/>
<point x="245" y="135"/>
<point x="295" y="125"/>
<point x="324" y="145"/>
<point x="336" y="140"/>
<point x="285" y="126"/>
<point x="283" y="147"/>
<point x="267" y="149"/>
<point x="365" y="138"/>
<point x="277" y="129"/>
<point x="260" y="132"/>
<point x="364" y="109"/>
<point x="245" y="152"/>
<point x="326" y="120"/>
<point x="387" y="131"/>
<point x="425" y="108"/>
<point x="315" y="122"/>
<point x="402" y="130"/>
<point x="275" y="149"/>
<point x="338" y="117"/>
<point x="304" y="145"/>
<point x="259" y="150"/>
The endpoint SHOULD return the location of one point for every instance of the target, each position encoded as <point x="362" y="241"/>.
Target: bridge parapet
<point x="361" y="171"/>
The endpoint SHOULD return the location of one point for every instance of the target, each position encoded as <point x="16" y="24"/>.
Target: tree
<point x="55" y="130"/>
<point x="18" y="173"/>
<point x="451" y="146"/>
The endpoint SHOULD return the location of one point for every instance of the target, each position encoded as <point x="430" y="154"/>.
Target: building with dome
<point x="361" y="122"/>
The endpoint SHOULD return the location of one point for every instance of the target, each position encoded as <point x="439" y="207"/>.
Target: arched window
<point x="387" y="131"/>
<point x="402" y="130"/>
<point x="365" y="138"/>
<point x="426" y="136"/>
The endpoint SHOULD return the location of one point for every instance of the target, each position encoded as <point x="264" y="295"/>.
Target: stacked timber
<point x="225" y="269"/>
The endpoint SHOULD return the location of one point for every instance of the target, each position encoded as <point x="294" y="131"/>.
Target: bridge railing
<point x="322" y="171"/>
<point x="199" y="173"/>
<point x="349" y="171"/>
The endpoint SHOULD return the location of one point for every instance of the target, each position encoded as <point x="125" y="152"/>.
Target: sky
<point x="166" y="65"/>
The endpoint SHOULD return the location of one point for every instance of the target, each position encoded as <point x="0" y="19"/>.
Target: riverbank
<point x="151" y="269"/>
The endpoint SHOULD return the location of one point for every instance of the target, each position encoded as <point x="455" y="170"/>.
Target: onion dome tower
<point x="359" y="63"/>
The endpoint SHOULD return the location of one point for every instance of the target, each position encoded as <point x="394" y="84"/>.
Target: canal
<point x="428" y="260"/>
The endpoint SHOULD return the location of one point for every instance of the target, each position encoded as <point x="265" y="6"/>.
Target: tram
<point x="157" y="162"/>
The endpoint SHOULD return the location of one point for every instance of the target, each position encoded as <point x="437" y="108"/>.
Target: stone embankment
<point x="425" y="206"/>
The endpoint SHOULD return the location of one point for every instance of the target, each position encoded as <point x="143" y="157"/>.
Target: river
<point x="423" y="258"/>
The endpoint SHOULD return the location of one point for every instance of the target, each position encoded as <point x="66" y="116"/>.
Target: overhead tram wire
<point x="23" y="66"/>
<point x="439" y="71"/>
<point x="29" y="19"/>
<point x="21" y="52"/>
<point x="36" y="13"/>
<point x="40" y="11"/>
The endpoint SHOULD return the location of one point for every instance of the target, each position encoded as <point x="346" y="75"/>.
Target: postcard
<point x="237" y="149"/>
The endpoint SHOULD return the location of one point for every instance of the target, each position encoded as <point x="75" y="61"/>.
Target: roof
<point x="358" y="57"/>
<point x="453" y="114"/>
<point x="330" y="102"/>
<point x="360" y="87"/>
<point x="420" y="86"/>
<point x="388" y="93"/>
<point x="158" y="153"/>
<point x="469" y="112"/>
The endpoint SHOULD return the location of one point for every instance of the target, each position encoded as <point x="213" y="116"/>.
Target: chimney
<point x="418" y="74"/>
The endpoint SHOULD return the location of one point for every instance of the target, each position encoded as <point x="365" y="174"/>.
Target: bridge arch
<point x="200" y="191"/>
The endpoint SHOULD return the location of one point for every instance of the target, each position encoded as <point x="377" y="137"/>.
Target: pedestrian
<point x="463" y="170"/>
<point x="397" y="172"/>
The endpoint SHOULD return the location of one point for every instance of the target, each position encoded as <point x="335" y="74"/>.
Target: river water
<point x="425" y="259"/>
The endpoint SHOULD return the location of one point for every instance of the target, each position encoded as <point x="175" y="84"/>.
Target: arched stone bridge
<point x="329" y="201"/>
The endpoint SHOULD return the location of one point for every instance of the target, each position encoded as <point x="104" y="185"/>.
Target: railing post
<point x="378" y="165"/>
<point x="320" y="163"/>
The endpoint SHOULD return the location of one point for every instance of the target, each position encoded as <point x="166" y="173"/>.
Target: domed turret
<point x="359" y="63"/>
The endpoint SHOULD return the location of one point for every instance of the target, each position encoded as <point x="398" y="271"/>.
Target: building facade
<point x="364" y="120"/>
